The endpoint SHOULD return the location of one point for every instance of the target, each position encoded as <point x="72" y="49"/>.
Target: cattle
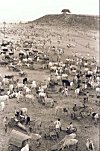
<point x="53" y="68"/>
<point x="42" y="94"/>
<point x="20" y="85"/>
<point x="65" y="83"/>
<point x="9" y="76"/>
<point x="5" y="81"/>
<point x="29" y="98"/>
<point x="4" y="98"/>
<point x="24" y="80"/>
<point x="19" y="95"/>
<point x="90" y="145"/>
<point x="27" y="90"/>
<point x="69" y="142"/>
<point x="70" y="136"/>
<point x="65" y="91"/>
<point x="60" y="110"/>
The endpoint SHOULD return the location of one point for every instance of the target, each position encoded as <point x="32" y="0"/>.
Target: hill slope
<point x="70" y="20"/>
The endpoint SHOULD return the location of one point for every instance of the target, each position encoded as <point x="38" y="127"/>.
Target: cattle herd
<point x="68" y="94"/>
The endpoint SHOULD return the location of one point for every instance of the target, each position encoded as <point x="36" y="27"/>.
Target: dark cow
<point x="9" y="76"/>
<point x="24" y="80"/>
<point x="65" y="82"/>
<point x="88" y="75"/>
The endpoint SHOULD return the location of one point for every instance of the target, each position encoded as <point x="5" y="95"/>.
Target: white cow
<point x="60" y="109"/>
<point x="19" y="95"/>
<point x="77" y="92"/>
<point x="27" y="90"/>
<point x="89" y="145"/>
<point x="4" y="98"/>
<point x="29" y="98"/>
<point x="69" y="142"/>
<point x="42" y="94"/>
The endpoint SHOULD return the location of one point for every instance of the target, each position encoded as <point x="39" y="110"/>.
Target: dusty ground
<point x="86" y="127"/>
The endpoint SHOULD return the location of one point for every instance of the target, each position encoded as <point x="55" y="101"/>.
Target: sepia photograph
<point x="49" y="75"/>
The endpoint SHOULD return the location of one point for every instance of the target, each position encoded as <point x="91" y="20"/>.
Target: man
<point x="74" y="108"/>
<point x="58" y="124"/>
<point x="58" y="127"/>
<point x="5" y="122"/>
<point x="71" y="127"/>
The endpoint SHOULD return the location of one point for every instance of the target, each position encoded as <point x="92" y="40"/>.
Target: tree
<point x="65" y="11"/>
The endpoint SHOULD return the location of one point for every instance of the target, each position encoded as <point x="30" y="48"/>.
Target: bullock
<point x="69" y="142"/>
<point x="4" y="98"/>
<point x="5" y="81"/>
<point x="42" y="94"/>
<point x="24" y="80"/>
<point x="19" y="96"/>
<point x="9" y="76"/>
<point x="65" y="82"/>
<point x="20" y="85"/>
<point x="61" y="110"/>
<point x="70" y="136"/>
<point x="29" y="98"/>
<point x="27" y="90"/>
<point x="89" y="145"/>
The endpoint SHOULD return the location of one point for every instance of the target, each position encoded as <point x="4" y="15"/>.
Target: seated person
<point x="70" y="127"/>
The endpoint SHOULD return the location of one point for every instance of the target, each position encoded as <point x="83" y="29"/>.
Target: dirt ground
<point x="86" y="127"/>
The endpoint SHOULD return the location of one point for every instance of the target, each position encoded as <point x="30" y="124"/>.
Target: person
<point x="5" y="122"/>
<point x="71" y="127"/>
<point x="57" y="124"/>
<point x="96" y="117"/>
<point x="58" y="127"/>
<point x="74" y="108"/>
<point x="84" y="102"/>
<point x="87" y="96"/>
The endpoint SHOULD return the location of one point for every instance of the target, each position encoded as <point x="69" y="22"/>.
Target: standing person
<point x="58" y="127"/>
<point x="84" y="102"/>
<point x="87" y="96"/>
<point x="5" y="122"/>
<point x="75" y="108"/>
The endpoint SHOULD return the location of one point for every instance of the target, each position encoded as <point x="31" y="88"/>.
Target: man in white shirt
<point x="58" y="127"/>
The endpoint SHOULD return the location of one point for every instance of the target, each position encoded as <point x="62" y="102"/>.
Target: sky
<point x="28" y="10"/>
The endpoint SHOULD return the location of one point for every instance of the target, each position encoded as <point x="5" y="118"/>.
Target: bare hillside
<point x="70" y="20"/>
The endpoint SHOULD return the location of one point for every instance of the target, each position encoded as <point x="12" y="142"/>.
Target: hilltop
<point x="69" y="20"/>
